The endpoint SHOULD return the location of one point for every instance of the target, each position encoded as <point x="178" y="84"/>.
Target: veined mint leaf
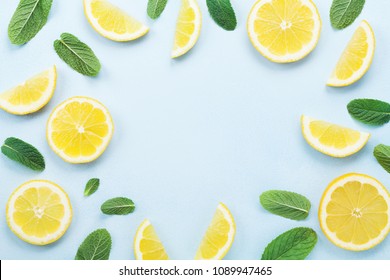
<point x="382" y="155"/>
<point x="222" y="13"/>
<point x="370" y="111"/>
<point x="29" y="18"/>
<point x="295" y="244"/>
<point x="286" y="204"/>
<point x="24" y="153"/>
<point x="156" y="7"/>
<point x="97" y="246"/>
<point x="77" y="55"/>
<point x="92" y="186"/>
<point x="344" y="12"/>
<point x="118" y="206"/>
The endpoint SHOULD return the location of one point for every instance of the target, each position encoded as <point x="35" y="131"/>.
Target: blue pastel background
<point x="221" y="124"/>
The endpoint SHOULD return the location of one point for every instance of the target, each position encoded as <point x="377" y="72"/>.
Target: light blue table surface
<point x="220" y="124"/>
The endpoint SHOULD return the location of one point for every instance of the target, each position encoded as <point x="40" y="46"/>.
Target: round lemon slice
<point x="32" y="95"/>
<point x="111" y="22"/>
<point x="356" y="58"/>
<point x="284" y="30"/>
<point x="219" y="236"/>
<point x="39" y="212"/>
<point x="147" y="245"/>
<point x="79" y="129"/>
<point x="331" y="139"/>
<point x="354" y="212"/>
<point x="188" y="28"/>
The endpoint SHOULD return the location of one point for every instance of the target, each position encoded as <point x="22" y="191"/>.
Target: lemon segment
<point x="356" y="58"/>
<point x="147" y="245"/>
<point x="219" y="236"/>
<point x="284" y="31"/>
<point x="354" y="212"/>
<point x="30" y="96"/>
<point x="332" y="139"/>
<point x="111" y="22"/>
<point x="79" y="129"/>
<point x="188" y="28"/>
<point x="39" y="212"/>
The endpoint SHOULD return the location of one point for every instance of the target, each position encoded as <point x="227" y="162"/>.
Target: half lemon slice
<point x="354" y="212"/>
<point x="30" y="96"/>
<point x="284" y="30"/>
<point x="147" y="245"/>
<point x="188" y="27"/>
<point x="356" y="58"/>
<point x="111" y="22"/>
<point x="332" y="139"/>
<point x="39" y="212"/>
<point x="219" y="236"/>
<point x="79" y="129"/>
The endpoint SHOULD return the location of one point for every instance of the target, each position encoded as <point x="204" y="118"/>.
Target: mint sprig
<point x="344" y="12"/>
<point x="92" y="186"/>
<point x="155" y="8"/>
<point x="295" y="244"/>
<point x="382" y="155"/>
<point x="97" y="246"/>
<point x="118" y="206"/>
<point x="370" y="111"/>
<point x="222" y="13"/>
<point x="24" y="153"/>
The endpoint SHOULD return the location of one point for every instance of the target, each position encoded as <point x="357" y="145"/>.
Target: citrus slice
<point x="284" y="30"/>
<point x="188" y="27"/>
<point x="30" y="96"/>
<point x="39" y="212"/>
<point x="354" y="212"/>
<point x="356" y="58"/>
<point x="147" y="245"/>
<point x="219" y="236"/>
<point x="111" y="22"/>
<point x="79" y="129"/>
<point x="331" y="139"/>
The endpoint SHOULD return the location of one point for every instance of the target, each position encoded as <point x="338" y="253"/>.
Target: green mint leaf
<point x="77" y="55"/>
<point x="295" y="244"/>
<point x="289" y="205"/>
<point x="344" y="12"/>
<point x="97" y="246"/>
<point x="118" y="206"/>
<point x="92" y="186"/>
<point x="23" y="153"/>
<point x="382" y="155"/>
<point x="222" y="13"/>
<point x="370" y="111"/>
<point x="156" y="7"/>
<point x="29" y="18"/>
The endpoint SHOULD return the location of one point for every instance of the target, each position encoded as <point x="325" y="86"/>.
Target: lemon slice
<point x="188" y="27"/>
<point x="356" y="58"/>
<point x="30" y="96"/>
<point x="354" y="212"/>
<point x="79" y="129"/>
<point x="331" y="139"/>
<point x="284" y="30"/>
<point x="39" y="212"/>
<point x="147" y="245"/>
<point x="111" y="22"/>
<point x="219" y="236"/>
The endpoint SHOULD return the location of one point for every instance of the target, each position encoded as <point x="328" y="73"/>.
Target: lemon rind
<point x="340" y="181"/>
<point x="52" y="237"/>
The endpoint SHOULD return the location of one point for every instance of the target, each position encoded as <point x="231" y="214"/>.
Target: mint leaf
<point x="29" y="18"/>
<point x="370" y="111"/>
<point x="24" y="153"/>
<point x="295" y="244"/>
<point x="222" y="13"/>
<point x="344" y="12"/>
<point x="92" y="186"/>
<point x="289" y="205"/>
<point x="118" y="206"/>
<point x="156" y="7"/>
<point x="97" y="246"/>
<point x="382" y="155"/>
<point x="77" y="55"/>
